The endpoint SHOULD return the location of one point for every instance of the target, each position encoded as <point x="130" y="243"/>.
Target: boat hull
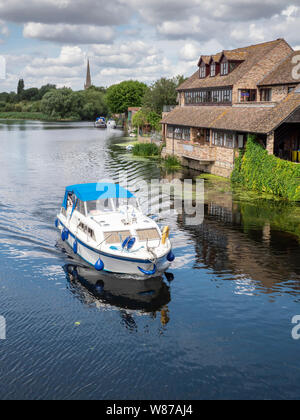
<point x="120" y="264"/>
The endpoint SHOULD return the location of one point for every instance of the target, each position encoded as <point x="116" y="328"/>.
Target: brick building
<point x="250" y="90"/>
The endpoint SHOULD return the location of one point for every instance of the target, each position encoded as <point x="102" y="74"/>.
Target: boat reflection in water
<point x="108" y="291"/>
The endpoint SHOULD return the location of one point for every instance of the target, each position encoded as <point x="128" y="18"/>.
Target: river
<point x="218" y="325"/>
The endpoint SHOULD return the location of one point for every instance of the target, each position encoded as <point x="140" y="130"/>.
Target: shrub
<point x="171" y="162"/>
<point x="257" y="170"/>
<point x="146" y="150"/>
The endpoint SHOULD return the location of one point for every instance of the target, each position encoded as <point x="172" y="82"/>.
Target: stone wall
<point x="219" y="160"/>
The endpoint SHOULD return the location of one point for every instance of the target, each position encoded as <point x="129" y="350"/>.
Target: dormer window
<point x="224" y="68"/>
<point x="213" y="69"/>
<point x="202" y="71"/>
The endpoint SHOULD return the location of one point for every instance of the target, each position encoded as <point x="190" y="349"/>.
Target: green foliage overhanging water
<point x="256" y="170"/>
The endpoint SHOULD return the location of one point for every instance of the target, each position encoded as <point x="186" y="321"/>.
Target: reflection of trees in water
<point x="130" y="296"/>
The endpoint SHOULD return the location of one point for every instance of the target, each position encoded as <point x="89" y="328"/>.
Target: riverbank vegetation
<point x="146" y="150"/>
<point x="52" y="104"/>
<point x="256" y="170"/>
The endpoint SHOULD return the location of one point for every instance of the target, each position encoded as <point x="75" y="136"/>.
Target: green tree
<point x="124" y="95"/>
<point x="31" y="94"/>
<point x="162" y="92"/>
<point x="21" y="87"/>
<point x="145" y="117"/>
<point x="44" y="89"/>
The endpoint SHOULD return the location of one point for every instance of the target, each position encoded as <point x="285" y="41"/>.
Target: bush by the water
<point x="146" y="150"/>
<point x="256" y="170"/>
<point x="171" y="162"/>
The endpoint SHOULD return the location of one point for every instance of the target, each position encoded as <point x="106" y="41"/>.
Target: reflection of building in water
<point x="129" y="296"/>
<point x="245" y="251"/>
<point x="221" y="213"/>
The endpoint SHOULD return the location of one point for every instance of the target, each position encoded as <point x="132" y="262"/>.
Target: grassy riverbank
<point x="38" y="116"/>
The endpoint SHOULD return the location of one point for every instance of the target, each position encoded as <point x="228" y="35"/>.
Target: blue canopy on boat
<point x="92" y="192"/>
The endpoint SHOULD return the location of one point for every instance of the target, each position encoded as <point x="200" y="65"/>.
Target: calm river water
<point x="217" y="326"/>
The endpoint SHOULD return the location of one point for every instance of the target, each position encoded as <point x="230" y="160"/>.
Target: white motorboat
<point x="104" y="225"/>
<point x="100" y="122"/>
<point x="112" y="124"/>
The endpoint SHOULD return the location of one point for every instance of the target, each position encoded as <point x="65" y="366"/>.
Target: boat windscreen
<point x="99" y="206"/>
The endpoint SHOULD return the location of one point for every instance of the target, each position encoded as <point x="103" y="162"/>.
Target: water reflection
<point x="129" y="296"/>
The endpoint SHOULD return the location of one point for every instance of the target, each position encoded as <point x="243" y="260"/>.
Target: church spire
<point x="88" y="82"/>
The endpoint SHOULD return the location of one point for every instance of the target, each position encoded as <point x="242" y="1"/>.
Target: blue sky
<point x="48" y="41"/>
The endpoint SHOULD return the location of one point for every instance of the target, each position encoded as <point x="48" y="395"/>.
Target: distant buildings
<point x="249" y="90"/>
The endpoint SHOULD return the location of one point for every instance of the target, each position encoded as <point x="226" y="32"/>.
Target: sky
<point x="49" y="41"/>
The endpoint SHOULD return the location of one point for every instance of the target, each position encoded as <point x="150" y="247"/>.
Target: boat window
<point x="116" y="237"/>
<point x="119" y="202"/>
<point x="80" y="207"/>
<point x="147" y="234"/>
<point x="99" y="206"/>
<point x="91" y="233"/>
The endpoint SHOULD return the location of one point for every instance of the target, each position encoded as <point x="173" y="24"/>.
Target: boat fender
<point x="65" y="235"/>
<point x="124" y="244"/>
<point x="131" y="243"/>
<point x="170" y="256"/>
<point x="75" y="247"/>
<point x="165" y="235"/>
<point x="99" y="266"/>
<point x="56" y="223"/>
<point x="148" y="273"/>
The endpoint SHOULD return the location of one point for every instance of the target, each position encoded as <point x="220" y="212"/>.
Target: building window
<point x="207" y="138"/>
<point x="208" y="96"/>
<point x="180" y="133"/>
<point x="170" y="131"/>
<point x="213" y="69"/>
<point x="266" y="95"/>
<point x="202" y="71"/>
<point x="223" y="139"/>
<point x="224" y="68"/>
<point x="248" y="95"/>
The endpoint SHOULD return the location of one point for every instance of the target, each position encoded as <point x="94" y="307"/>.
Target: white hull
<point x="120" y="264"/>
<point x="110" y="233"/>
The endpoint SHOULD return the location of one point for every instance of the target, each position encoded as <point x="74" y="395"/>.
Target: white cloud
<point x="100" y="12"/>
<point x="75" y="34"/>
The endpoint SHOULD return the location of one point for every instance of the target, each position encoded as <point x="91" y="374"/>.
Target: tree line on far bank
<point x="66" y="104"/>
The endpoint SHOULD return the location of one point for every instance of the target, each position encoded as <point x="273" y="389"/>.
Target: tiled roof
<point x="282" y="74"/>
<point x="251" y="55"/>
<point x="253" y="120"/>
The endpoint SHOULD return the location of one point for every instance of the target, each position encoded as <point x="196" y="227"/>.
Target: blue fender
<point x="65" y="235"/>
<point x="125" y="243"/>
<point x="131" y="243"/>
<point x="148" y="273"/>
<point x="75" y="247"/>
<point x="99" y="266"/>
<point x="170" y="256"/>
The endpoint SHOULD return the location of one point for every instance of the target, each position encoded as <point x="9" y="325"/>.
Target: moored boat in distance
<point x="104" y="225"/>
<point x="112" y="124"/>
<point x="100" y="122"/>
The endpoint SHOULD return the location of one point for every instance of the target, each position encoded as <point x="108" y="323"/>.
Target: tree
<point x="147" y="117"/>
<point x="21" y="87"/>
<point x="124" y="95"/>
<point x="44" y="89"/>
<point x="31" y="94"/>
<point x="162" y="92"/>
